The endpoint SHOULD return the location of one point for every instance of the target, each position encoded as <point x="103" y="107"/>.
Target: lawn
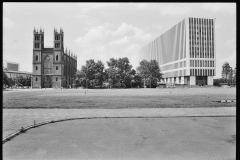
<point x="119" y="98"/>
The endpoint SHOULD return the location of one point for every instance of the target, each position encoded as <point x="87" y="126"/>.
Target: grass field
<point x="119" y="98"/>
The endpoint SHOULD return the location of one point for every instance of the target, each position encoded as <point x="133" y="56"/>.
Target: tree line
<point x="18" y="80"/>
<point x="118" y="74"/>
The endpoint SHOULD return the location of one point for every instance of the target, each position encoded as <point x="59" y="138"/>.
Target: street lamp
<point x="31" y="82"/>
<point x="230" y="76"/>
<point x="72" y="82"/>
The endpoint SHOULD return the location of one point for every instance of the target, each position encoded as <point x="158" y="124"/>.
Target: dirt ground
<point x="119" y="98"/>
<point x="128" y="138"/>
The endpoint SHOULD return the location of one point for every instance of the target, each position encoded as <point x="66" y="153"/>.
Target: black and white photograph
<point x="119" y="81"/>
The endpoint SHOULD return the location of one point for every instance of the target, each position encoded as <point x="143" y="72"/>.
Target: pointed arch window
<point x="56" y="67"/>
<point x="56" y="57"/>
<point x="36" y="79"/>
<point x="36" y="67"/>
<point x="47" y="66"/>
<point x="57" y="37"/>
<point x="36" y="57"/>
<point x="37" y="37"/>
<point x="57" y="79"/>
<point x="57" y="45"/>
<point x="37" y="45"/>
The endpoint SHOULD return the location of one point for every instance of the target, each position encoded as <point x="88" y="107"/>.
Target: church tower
<point x="58" y="51"/>
<point x="38" y="46"/>
<point x="52" y="67"/>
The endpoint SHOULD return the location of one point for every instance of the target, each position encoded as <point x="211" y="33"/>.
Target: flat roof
<point x="19" y="72"/>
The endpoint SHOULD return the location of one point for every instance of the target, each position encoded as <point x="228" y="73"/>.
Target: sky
<point x="101" y="31"/>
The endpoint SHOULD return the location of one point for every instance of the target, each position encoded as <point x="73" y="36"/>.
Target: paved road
<point x="175" y="138"/>
<point x="14" y="119"/>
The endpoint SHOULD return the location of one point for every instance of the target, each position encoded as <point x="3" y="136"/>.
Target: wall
<point x="210" y="80"/>
<point x="169" y="50"/>
<point x="36" y="84"/>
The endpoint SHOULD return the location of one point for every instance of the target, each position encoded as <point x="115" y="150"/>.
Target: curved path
<point x="15" y="119"/>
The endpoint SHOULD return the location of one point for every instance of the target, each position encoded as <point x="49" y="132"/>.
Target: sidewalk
<point x="15" y="119"/>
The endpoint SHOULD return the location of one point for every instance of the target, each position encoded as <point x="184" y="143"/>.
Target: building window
<point x="56" y="57"/>
<point x="191" y="72"/>
<point x="57" y="79"/>
<point x="36" y="67"/>
<point x="36" y="57"/>
<point x="37" y="45"/>
<point x="56" y="67"/>
<point x="57" y="45"/>
<point x="36" y="79"/>
<point x="57" y="37"/>
<point x="37" y="37"/>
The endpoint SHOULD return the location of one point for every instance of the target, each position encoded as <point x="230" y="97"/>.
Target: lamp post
<point x="230" y="76"/>
<point x="61" y="82"/>
<point x="72" y="82"/>
<point x="86" y="80"/>
<point x="31" y="82"/>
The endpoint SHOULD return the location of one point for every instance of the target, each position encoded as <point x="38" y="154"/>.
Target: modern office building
<point x="11" y="69"/>
<point x="186" y="53"/>
<point x="11" y="66"/>
<point x="52" y="67"/>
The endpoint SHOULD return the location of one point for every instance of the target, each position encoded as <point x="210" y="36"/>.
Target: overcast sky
<point x="101" y="31"/>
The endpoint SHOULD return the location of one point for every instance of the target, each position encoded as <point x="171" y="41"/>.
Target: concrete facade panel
<point x="209" y="80"/>
<point x="187" y="49"/>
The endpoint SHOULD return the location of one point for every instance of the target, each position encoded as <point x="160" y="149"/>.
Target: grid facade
<point x="202" y="47"/>
<point x="186" y="50"/>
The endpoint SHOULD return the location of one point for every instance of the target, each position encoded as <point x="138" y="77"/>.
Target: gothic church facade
<point x="52" y="67"/>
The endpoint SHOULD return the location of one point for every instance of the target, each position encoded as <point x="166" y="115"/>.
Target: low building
<point x="15" y="74"/>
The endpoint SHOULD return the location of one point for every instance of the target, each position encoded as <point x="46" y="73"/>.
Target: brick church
<point x="52" y="67"/>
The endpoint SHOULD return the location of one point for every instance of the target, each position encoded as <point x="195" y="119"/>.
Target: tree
<point x="21" y="80"/>
<point x="120" y="72"/>
<point x="235" y="74"/>
<point x="136" y="81"/>
<point x="143" y="70"/>
<point x="91" y="74"/>
<point x="216" y="82"/>
<point x="149" y="70"/>
<point x="11" y="82"/>
<point x="227" y="72"/>
<point x="5" y="79"/>
<point x="28" y="81"/>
